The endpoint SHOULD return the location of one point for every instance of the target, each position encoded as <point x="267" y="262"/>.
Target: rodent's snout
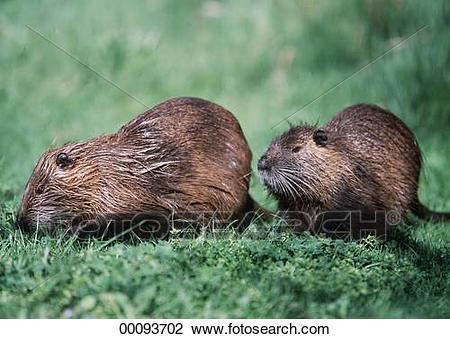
<point x="263" y="163"/>
<point x="267" y="164"/>
<point x="269" y="161"/>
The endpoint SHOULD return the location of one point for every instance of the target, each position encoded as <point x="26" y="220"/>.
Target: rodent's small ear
<point x="320" y="137"/>
<point x="63" y="160"/>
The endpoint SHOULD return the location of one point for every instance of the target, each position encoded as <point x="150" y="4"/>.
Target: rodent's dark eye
<point x="320" y="137"/>
<point x="296" y="149"/>
<point x="63" y="160"/>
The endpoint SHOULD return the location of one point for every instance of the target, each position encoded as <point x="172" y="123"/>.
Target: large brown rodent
<point x="357" y="174"/>
<point x="183" y="160"/>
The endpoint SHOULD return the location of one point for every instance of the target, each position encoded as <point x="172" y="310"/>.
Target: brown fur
<point x="369" y="165"/>
<point x="186" y="158"/>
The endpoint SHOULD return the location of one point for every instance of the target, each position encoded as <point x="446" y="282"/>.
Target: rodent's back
<point x="383" y="149"/>
<point x="210" y="155"/>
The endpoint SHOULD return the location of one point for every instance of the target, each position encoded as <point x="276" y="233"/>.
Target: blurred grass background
<point x="263" y="61"/>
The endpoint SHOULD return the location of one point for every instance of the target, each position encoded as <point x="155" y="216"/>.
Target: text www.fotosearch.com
<point x="240" y="329"/>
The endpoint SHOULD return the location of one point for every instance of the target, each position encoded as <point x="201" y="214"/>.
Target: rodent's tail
<point x="425" y="213"/>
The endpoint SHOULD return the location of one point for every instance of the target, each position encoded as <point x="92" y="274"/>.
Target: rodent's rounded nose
<point x="263" y="163"/>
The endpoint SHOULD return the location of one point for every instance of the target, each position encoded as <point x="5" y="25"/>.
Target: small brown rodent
<point x="357" y="174"/>
<point x="183" y="160"/>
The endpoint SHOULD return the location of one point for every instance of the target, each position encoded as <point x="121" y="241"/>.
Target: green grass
<point x="262" y="60"/>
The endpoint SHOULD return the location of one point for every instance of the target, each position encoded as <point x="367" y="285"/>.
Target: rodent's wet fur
<point x="355" y="175"/>
<point x="184" y="159"/>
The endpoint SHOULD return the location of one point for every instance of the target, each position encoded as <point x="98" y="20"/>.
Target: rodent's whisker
<point x="298" y="181"/>
<point x="293" y="180"/>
